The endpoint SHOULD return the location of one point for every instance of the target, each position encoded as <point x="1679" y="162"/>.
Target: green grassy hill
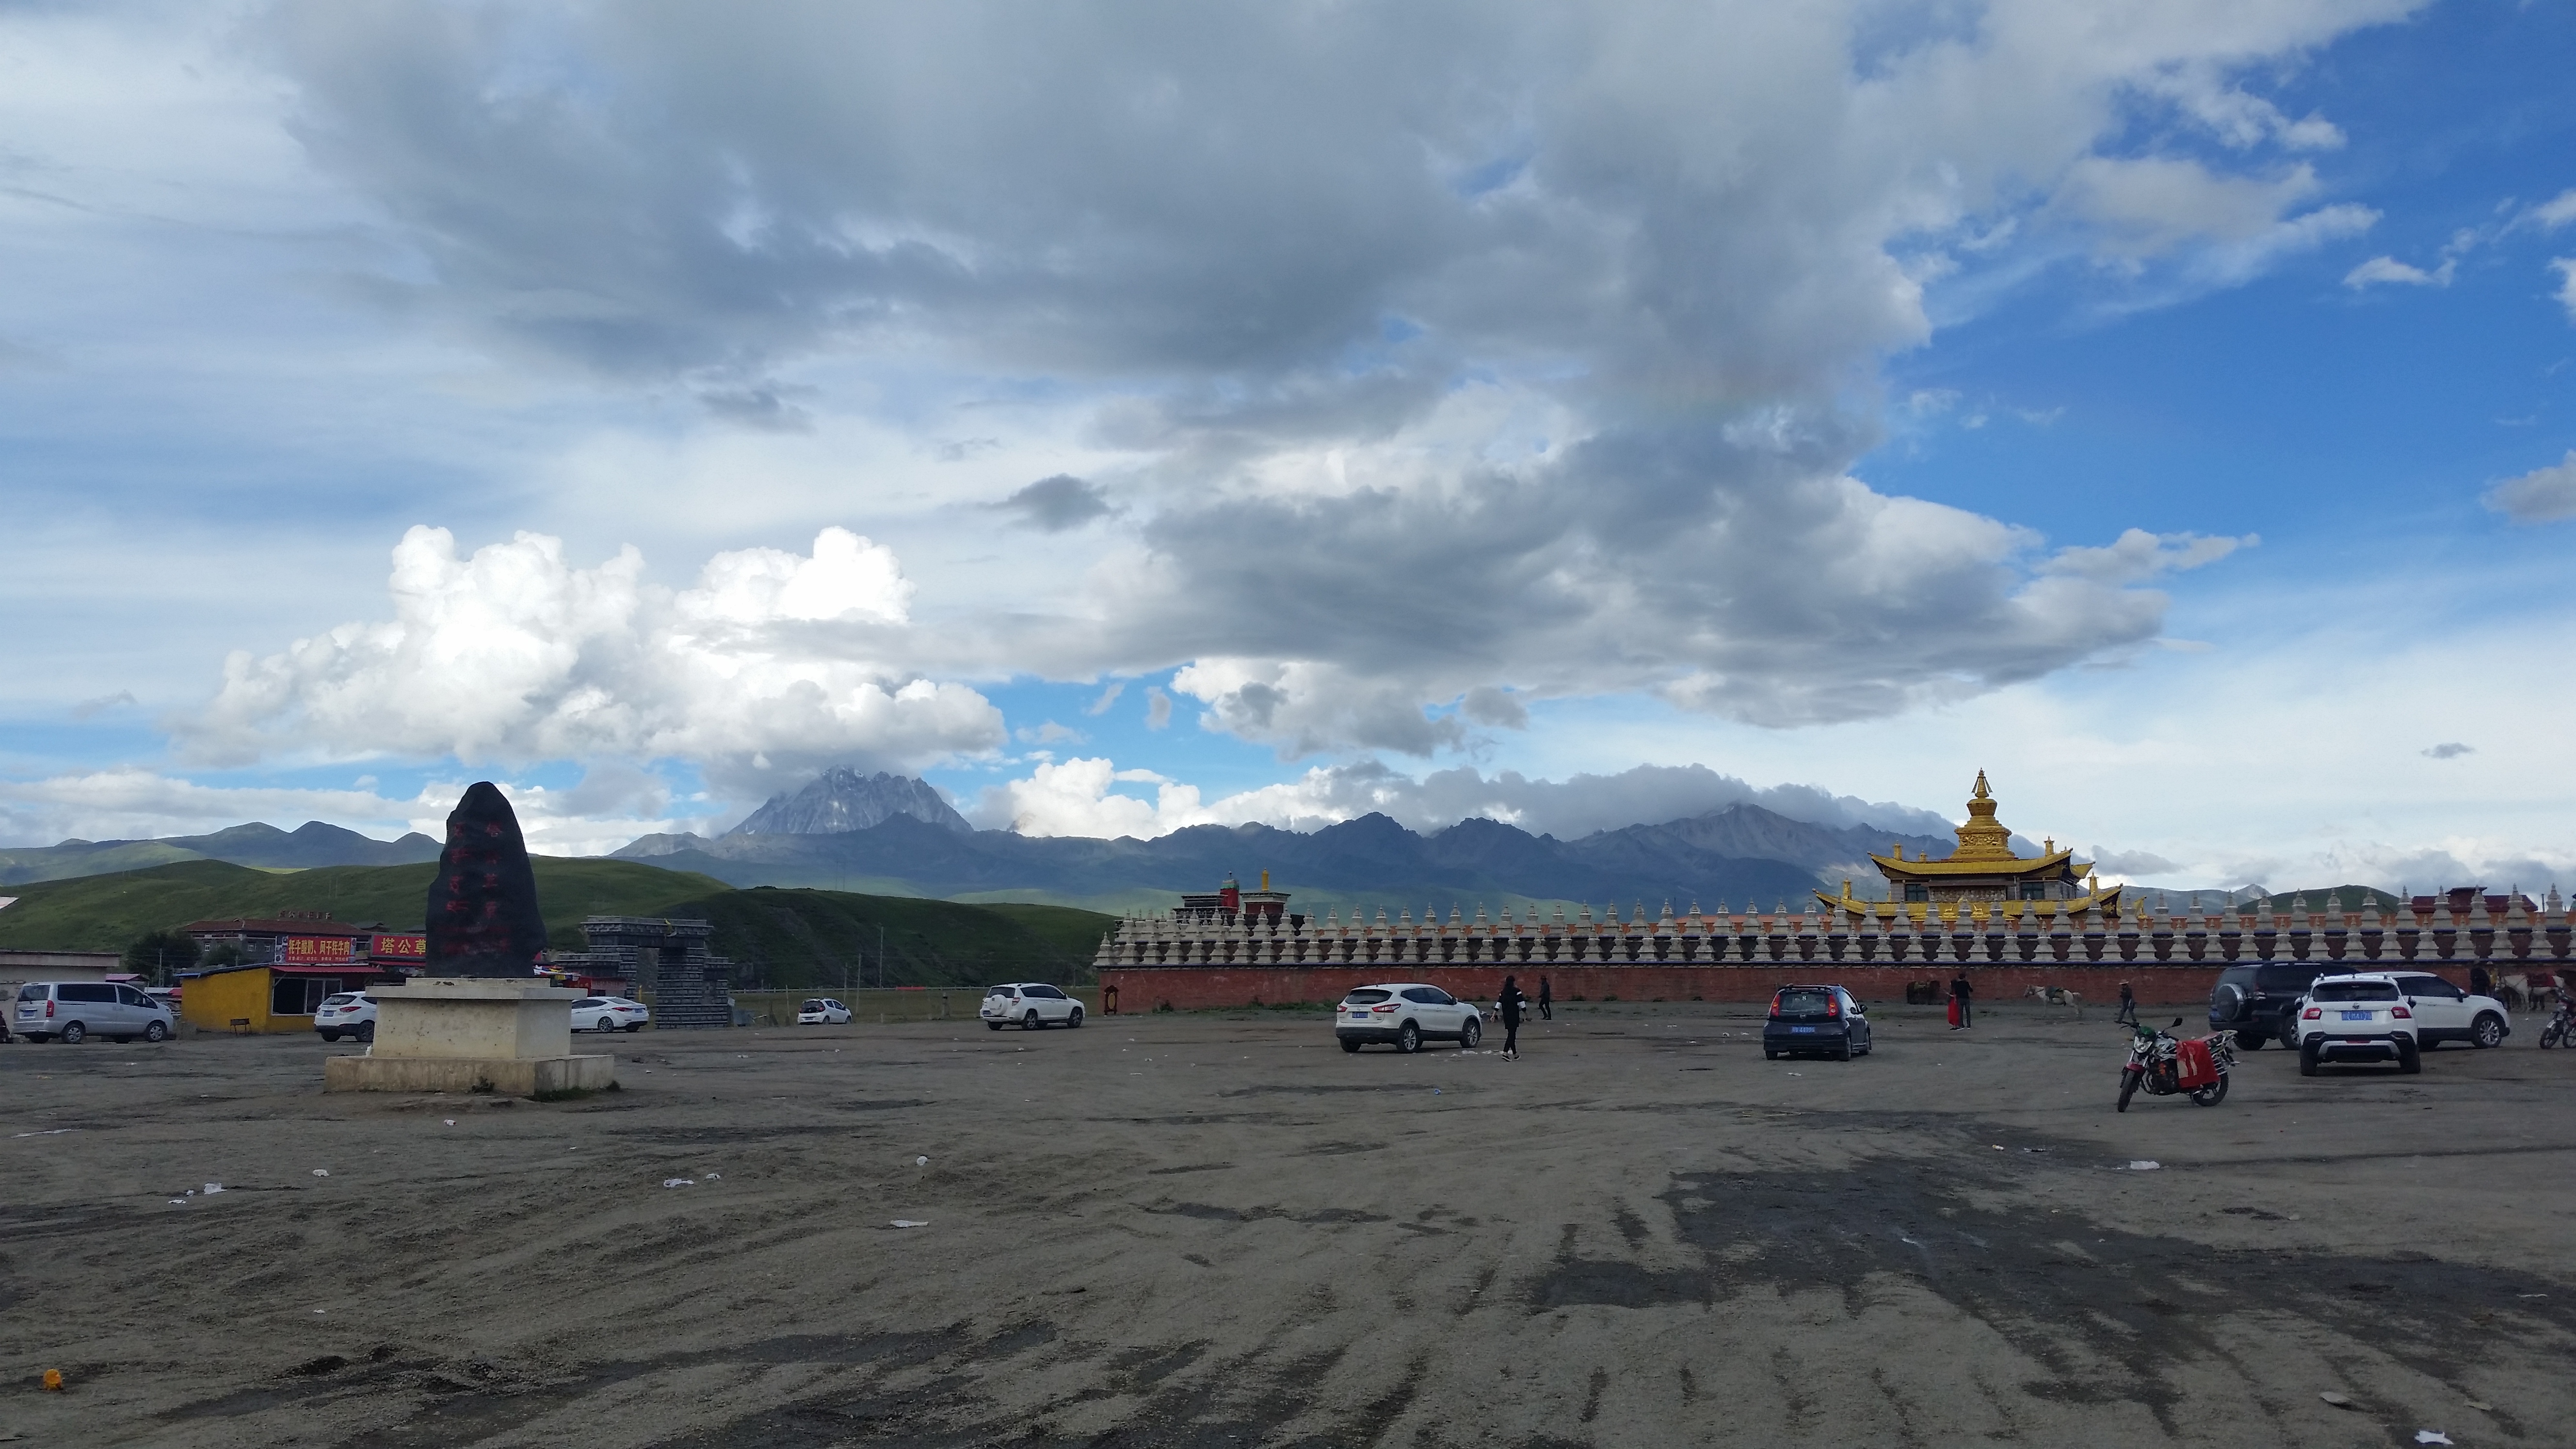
<point x="796" y="938"/>
<point x="790" y="939"/>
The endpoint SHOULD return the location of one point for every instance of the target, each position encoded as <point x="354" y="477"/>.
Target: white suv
<point x="2359" y="1018"/>
<point x="349" y="1012"/>
<point x="1404" y="1014"/>
<point x="1033" y="1004"/>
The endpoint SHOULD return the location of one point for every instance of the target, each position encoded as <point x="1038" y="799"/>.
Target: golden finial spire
<point x="1982" y="793"/>
<point x="1983" y="837"/>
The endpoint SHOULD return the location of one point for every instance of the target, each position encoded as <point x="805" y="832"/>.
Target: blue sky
<point x="1447" y="411"/>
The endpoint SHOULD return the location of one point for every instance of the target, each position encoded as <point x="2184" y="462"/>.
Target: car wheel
<point x="1470" y="1034"/>
<point x="1769" y="1055"/>
<point x="2410" y="1060"/>
<point x="156" y="1032"/>
<point x="330" y="1036"/>
<point x="607" y="1022"/>
<point x="2252" y="1041"/>
<point x="1350" y="1046"/>
<point x="634" y="1026"/>
<point x="2307" y="1061"/>
<point x="1408" y="1038"/>
<point x="2489" y="1031"/>
<point x="1075" y="1019"/>
<point x="995" y="1025"/>
<point x="72" y="1032"/>
<point x="1846" y="1053"/>
<point x="1032" y="1024"/>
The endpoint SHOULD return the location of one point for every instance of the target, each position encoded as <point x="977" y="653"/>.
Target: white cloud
<point x="2389" y="270"/>
<point x="1158" y="708"/>
<point x="1073" y="798"/>
<point x="2556" y="212"/>
<point x="515" y="654"/>
<point x="1107" y="698"/>
<point x="2565" y="267"/>
<point x="2543" y="495"/>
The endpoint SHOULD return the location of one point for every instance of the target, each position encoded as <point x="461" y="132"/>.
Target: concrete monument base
<point x="471" y="1033"/>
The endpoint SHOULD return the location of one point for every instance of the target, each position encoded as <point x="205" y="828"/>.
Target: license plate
<point x="2361" y="1041"/>
<point x="2356" y="1016"/>
<point x="1801" y="1028"/>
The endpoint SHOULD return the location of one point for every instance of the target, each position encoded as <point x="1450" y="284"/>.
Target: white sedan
<point x="822" y="1011"/>
<point x="609" y="1013"/>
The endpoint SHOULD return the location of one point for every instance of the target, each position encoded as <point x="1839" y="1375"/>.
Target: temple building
<point x="1981" y="873"/>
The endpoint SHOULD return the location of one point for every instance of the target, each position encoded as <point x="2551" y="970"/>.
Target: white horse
<point x="2057" y="996"/>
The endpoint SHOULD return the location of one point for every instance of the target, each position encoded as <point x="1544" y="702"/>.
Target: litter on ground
<point x="679" y="1182"/>
<point x="2145" y="1164"/>
<point x="909" y="1223"/>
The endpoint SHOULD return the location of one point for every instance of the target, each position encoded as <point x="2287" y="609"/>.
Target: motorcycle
<point x="2561" y="1024"/>
<point x="2166" y="1065"/>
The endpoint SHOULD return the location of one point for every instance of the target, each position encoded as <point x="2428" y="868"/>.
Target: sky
<point x="1136" y="416"/>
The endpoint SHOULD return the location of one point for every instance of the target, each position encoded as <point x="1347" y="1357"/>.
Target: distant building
<point x="1230" y="903"/>
<point x="266" y="997"/>
<point x="23" y="966"/>
<point x="1982" y="874"/>
<point x="665" y="962"/>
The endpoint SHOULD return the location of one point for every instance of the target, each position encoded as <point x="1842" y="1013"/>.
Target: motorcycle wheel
<point x="2549" y="1036"/>
<point x="2211" y="1095"/>
<point x="2128" y="1089"/>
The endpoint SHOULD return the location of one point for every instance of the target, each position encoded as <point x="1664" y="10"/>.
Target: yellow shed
<point x="266" y="998"/>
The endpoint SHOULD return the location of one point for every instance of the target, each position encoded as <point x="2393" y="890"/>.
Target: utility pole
<point x="881" y="981"/>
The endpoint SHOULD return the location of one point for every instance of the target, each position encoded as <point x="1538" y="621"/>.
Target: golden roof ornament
<point x="1983" y="837"/>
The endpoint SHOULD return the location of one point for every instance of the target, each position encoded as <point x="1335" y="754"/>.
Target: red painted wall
<point x="1198" y="988"/>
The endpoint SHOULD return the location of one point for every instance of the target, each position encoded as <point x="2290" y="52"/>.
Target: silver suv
<point x="76" y="1010"/>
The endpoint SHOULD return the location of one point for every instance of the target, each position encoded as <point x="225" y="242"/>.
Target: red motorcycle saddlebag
<point x="2193" y="1066"/>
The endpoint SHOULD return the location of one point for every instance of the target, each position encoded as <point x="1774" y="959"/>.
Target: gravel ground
<point x="1219" y="1230"/>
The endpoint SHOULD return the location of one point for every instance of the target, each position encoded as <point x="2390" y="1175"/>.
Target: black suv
<point x="2256" y="1002"/>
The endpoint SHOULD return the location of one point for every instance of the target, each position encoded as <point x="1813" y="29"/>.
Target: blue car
<point x="1822" y="1021"/>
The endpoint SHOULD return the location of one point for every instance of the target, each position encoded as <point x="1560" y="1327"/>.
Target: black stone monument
<point x="483" y="917"/>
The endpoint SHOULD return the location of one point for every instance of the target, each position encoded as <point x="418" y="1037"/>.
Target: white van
<point x="77" y="1010"/>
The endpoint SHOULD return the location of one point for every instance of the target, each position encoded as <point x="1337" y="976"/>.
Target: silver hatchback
<point x="77" y="1010"/>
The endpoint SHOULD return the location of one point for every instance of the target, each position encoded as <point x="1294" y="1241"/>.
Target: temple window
<point x="2034" y="890"/>
<point x="1918" y="892"/>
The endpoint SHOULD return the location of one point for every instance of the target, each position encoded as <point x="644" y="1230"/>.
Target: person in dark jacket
<point x="1966" y="995"/>
<point x="2128" y="1013"/>
<point x="2480" y="983"/>
<point x="1509" y="1004"/>
<point x="1546" y="1002"/>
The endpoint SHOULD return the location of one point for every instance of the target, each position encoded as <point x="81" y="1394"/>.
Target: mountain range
<point x="1740" y="854"/>
<point x="895" y="835"/>
<point x="308" y="845"/>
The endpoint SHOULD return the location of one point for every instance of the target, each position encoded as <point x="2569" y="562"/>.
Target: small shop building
<point x="269" y="998"/>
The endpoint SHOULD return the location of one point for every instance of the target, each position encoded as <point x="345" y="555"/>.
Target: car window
<point x="813" y="1005"/>
<point x="1803" y="1001"/>
<point x="2284" y="977"/>
<point x="132" y="997"/>
<point x="997" y="991"/>
<point x="343" y="999"/>
<point x="834" y="1005"/>
<point x="1438" y="997"/>
<point x="1422" y="994"/>
<point x="32" y="991"/>
<point x="1047" y="993"/>
<point x="587" y="1002"/>
<point x="76" y="991"/>
<point x="1850" y="1003"/>
<point x="1368" y="996"/>
<point x="2354" y="991"/>
<point x="2429" y="986"/>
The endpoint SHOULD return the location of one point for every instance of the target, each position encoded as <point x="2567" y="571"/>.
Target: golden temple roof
<point x="1984" y="849"/>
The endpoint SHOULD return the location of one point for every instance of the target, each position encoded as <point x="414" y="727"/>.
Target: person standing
<point x="1966" y="996"/>
<point x="1509" y="1004"/>
<point x="2128" y="1006"/>
<point x="2480" y="983"/>
<point x="1546" y="1002"/>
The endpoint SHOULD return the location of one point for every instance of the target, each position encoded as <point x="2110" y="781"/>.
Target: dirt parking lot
<point x="1218" y="1230"/>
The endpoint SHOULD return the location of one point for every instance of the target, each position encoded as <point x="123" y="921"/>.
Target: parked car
<point x="1404" y="1015"/>
<point x="1817" y="1020"/>
<point x="822" y="1011"/>
<point x="609" y="1013"/>
<point x="2444" y="1012"/>
<point x="73" y="1011"/>
<point x="1031" y="1004"/>
<point x="2260" y="1003"/>
<point x="2357" y="1018"/>
<point x="351" y="1013"/>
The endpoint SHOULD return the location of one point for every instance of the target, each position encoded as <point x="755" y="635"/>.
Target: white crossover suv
<point x="1030" y="1004"/>
<point x="2360" y="1018"/>
<point x="347" y="1013"/>
<point x="1405" y="1014"/>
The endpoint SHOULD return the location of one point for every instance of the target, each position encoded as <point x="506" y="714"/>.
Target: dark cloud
<point x="2451" y="750"/>
<point x="1465" y="353"/>
<point x="1053" y="505"/>
<point x="759" y="407"/>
